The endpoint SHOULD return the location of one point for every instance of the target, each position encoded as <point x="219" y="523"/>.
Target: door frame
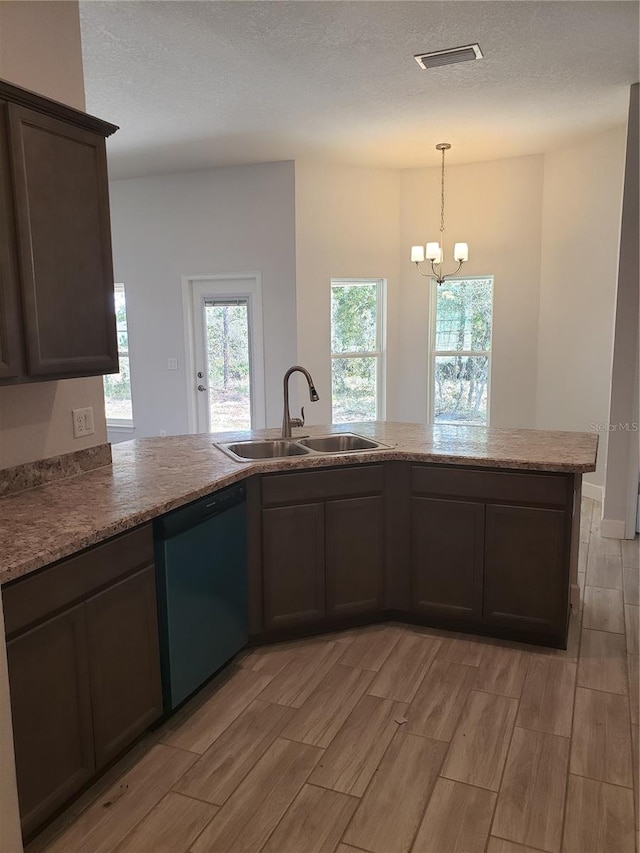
<point x="246" y="285"/>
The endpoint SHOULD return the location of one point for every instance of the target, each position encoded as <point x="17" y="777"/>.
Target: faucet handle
<point x="298" y="422"/>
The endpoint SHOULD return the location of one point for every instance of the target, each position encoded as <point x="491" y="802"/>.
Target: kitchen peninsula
<point x="151" y="476"/>
<point x="464" y="528"/>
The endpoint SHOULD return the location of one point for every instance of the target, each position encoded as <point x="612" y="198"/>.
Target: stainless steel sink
<point x="340" y="443"/>
<point x="242" y="451"/>
<point x="343" y="442"/>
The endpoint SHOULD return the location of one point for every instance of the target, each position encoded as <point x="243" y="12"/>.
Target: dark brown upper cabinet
<point x="57" y="315"/>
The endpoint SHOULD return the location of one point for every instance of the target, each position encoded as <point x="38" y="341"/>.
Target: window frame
<point x="381" y="338"/>
<point x="433" y="352"/>
<point x="121" y="423"/>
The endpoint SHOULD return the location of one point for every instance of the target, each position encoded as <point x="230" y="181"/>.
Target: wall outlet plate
<point x="172" y="364"/>
<point x="83" y="422"/>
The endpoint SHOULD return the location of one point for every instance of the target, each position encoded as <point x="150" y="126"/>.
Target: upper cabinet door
<point x="61" y="197"/>
<point x="11" y="349"/>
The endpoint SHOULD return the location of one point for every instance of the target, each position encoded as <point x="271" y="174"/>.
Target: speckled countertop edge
<point x="152" y="476"/>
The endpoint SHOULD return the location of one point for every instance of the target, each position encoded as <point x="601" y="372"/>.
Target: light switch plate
<point x="83" y="422"/>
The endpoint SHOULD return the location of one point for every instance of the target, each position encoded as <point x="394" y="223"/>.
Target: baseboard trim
<point x="612" y="528"/>
<point x="590" y="490"/>
<point x="574" y="597"/>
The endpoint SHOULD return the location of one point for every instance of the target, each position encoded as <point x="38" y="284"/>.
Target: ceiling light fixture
<point x="450" y="56"/>
<point x="434" y="252"/>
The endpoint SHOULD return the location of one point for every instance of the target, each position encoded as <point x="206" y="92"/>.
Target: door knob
<point x="201" y="388"/>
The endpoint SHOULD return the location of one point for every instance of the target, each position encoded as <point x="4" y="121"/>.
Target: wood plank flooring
<point x="395" y="739"/>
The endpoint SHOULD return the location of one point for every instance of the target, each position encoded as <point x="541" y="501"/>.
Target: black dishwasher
<point x="202" y="589"/>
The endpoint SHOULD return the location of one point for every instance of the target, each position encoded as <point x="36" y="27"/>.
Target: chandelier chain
<point x="433" y="253"/>
<point x="442" y="196"/>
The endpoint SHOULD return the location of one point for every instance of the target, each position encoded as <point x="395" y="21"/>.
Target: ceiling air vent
<point x="449" y="56"/>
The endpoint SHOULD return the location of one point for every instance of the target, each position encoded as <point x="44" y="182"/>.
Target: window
<point x="357" y="350"/>
<point x="461" y="351"/>
<point x="117" y="386"/>
<point x="228" y="363"/>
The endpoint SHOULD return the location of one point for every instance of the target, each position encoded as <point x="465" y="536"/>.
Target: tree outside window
<point x="117" y="386"/>
<point x="357" y="350"/>
<point x="461" y="351"/>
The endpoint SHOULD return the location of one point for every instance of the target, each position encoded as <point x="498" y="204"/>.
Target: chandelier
<point x="434" y="252"/>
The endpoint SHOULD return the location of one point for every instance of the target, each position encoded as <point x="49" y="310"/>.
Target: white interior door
<point x="226" y="363"/>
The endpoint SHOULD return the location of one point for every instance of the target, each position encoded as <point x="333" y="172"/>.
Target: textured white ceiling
<point x="199" y="84"/>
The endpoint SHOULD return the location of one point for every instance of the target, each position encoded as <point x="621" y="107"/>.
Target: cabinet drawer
<point x="319" y="484"/>
<point x="491" y="485"/>
<point x="38" y="596"/>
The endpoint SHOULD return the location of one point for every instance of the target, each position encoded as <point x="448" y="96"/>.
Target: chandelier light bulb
<point x="433" y="253"/>
<point x="461" y="252"/>
<point x="417" y="254"/>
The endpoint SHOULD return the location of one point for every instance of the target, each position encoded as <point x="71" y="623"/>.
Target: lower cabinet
<point x="322" y="560"/>
<point x="446" y="557"/>
<point x="354" y="554"/>
<point x="460" y="548"/>
<point x="526" y="575"/>
<point x="84" y="680"/>
<point x="51" y="710"/>
<point x="293" y="565"/>
<point x="122" y="637"/>
<point x="486" y="554"/>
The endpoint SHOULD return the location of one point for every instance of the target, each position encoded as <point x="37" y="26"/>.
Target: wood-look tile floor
<point x="396" y="739"/>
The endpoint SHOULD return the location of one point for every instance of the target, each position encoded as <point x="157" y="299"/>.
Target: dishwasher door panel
<point x="203" y="601"/>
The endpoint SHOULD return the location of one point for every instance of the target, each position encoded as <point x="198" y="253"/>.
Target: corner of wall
<point x="41" y="50"/>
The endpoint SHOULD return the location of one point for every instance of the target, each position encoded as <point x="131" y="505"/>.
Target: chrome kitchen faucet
<point x="287" y="420"/>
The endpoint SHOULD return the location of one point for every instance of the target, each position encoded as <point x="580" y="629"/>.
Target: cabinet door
<point x="446" y="557"/>
<point x="11" y="349"/>
<point x="526" y="569"/>
<point x="354" y="536"/>
<point x="124" y="663"/>
<point x="64" y="244"/>
<point x="51" y="709"/>
<point x="293" y="565"/>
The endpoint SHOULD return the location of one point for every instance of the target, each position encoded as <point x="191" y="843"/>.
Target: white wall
<point x="582" y="204"/>
<point x="218" y="221"/>
<point x="496" y="208"/>
<point x="40" y="49"/>
<point x="347" y="226"/>
<point x="621" y="484"/>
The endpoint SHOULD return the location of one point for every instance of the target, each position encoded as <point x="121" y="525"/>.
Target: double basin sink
<point x="344" y="442"/>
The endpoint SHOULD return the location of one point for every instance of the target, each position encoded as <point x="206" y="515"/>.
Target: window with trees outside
<point x="461" y="351"/>
<point x="117" y="386"/>
<point x="357" y="350"/>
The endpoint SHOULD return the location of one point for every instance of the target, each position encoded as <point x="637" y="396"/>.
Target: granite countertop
<point x="151" y="476"/>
